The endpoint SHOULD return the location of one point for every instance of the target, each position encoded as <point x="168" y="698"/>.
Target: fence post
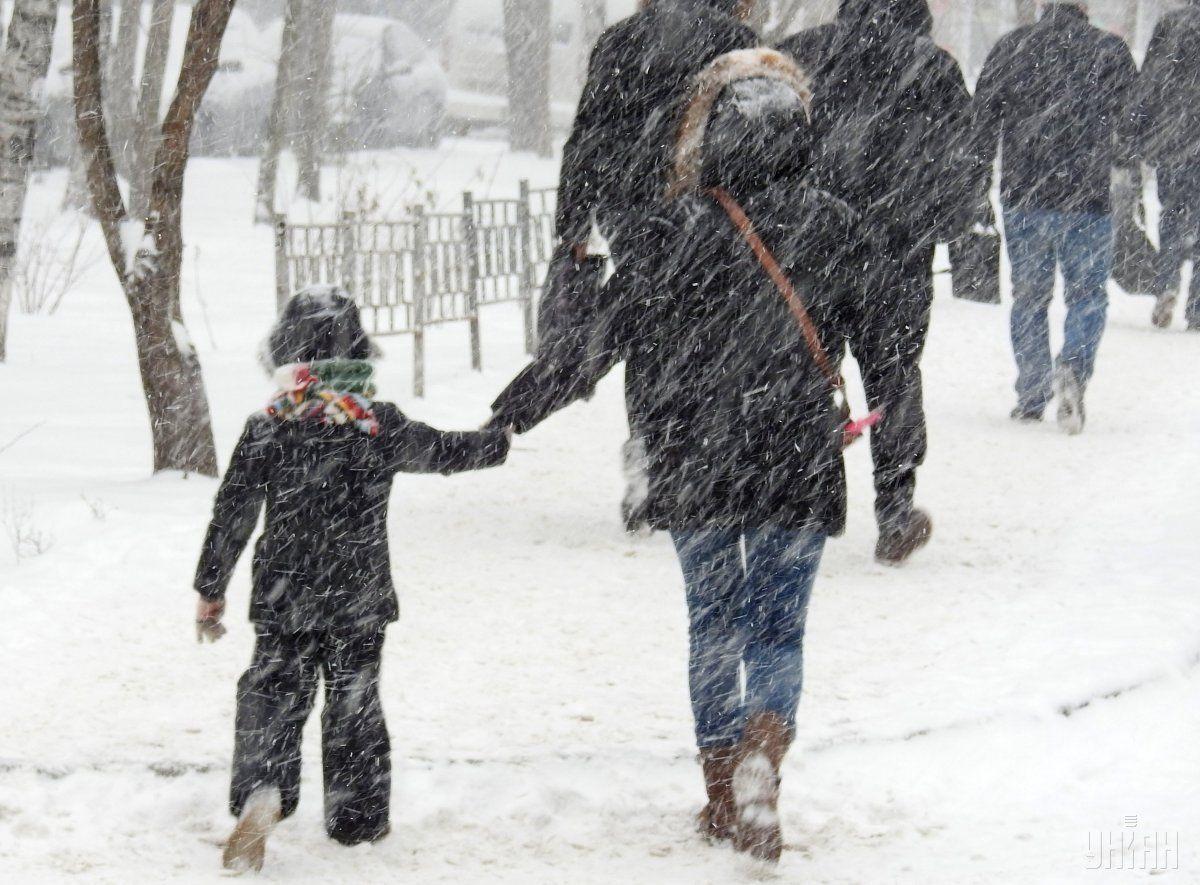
<point x="347" y="247"/>
<point x="471" y="278"/>
<point x="420" y="300"/>
<point x="283" y="285"/>
<point x="525" y="224"/>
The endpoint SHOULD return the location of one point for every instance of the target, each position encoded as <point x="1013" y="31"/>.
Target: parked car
<point x="388" y="87"/>
<point x="386" y="90"/>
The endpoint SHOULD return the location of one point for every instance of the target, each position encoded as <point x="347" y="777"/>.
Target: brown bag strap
<point x="808" y="329"/>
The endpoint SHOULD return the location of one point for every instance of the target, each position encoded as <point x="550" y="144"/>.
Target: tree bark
<point x="279" y="120"/>
<point x="180" y="424"/>
<point x="22" y="74"/>
<point x="527" y="51"/>
<point x="316" y="57"/>
<point x="145" y="144"/>
<point x="119" y="85"/>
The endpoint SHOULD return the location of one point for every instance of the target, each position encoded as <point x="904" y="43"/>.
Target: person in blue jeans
<point x="1055" y="96"/>
<point x="1038" y="241"/>
<point x="742" y="432"/>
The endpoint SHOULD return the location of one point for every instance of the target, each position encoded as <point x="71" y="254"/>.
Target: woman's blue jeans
<point x="747" y="595"/>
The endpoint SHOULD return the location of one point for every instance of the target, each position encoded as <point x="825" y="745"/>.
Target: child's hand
<point x="208" y="619"/>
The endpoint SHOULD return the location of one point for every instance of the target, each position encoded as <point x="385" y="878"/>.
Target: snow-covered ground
<point x="1020" y="688"/>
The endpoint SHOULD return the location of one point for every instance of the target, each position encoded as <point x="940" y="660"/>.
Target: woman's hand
<point x="208" y="619"/>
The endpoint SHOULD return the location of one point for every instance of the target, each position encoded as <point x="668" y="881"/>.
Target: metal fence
<point x="428" y="268"/>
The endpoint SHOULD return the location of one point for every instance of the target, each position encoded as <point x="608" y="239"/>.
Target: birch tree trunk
<point x="527" y="51"/>
<point x="279" y="120"/>
<point x="145" y="134"/>
<point x="316" y="56"/>
<point x="22" y="76"/>
<point x="119" y="85"/>
<point x="148" y="256"/>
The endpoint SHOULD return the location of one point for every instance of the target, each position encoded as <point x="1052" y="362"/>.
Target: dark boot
<point x="756" y="787"/>
<point x="717" y="818"/>
<point x="898" y="543"/>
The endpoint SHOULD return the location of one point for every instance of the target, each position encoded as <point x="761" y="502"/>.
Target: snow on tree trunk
<point x="145" y="135"/>
<point x="316" y="56"/>
<point x="147" y="257"/>
<point x="280" y="117"/>
<point x="23" y="70"/>
<point x="527" y="50"/>
<point x="119" y="85"/>
<point x="75" y="195"/>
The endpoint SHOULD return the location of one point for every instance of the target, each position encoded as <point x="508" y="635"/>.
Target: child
<point x="322" y="457"/>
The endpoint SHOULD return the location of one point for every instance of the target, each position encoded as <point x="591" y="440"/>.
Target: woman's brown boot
<point x="717" y="818"/>
<point x="756" y="786"/>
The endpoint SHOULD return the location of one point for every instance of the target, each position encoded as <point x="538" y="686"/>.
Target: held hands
<point x="208" y="619"/>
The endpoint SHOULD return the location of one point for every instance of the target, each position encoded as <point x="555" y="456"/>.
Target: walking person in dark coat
<point x="617" y="158"/>
<point x="321" y="458"/>
<point x="742" y="434"/>
<point x="891" y="122"/>
<point x="1055" y="97"/>
<point x="1169" y="114"/>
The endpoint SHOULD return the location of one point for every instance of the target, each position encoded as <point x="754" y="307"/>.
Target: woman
<point x="742" y="433"/>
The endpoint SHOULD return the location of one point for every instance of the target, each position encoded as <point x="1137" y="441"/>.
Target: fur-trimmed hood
<point x="728" y="69"/>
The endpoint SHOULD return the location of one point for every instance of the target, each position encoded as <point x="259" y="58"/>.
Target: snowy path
<point x="535" y="684"/>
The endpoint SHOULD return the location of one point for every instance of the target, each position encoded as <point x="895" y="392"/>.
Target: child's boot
<point x="247" y="843"/>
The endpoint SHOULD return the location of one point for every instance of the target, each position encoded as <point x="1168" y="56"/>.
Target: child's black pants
<point x="275" y="696"/>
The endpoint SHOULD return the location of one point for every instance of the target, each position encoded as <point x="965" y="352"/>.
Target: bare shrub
<point x="25" y="536"/>
<point x="51" y="260"/>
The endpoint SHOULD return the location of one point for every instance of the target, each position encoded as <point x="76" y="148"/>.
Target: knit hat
<point x="320" y="322"/>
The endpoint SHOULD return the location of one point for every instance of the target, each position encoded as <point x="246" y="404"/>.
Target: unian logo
<point x="1132" y="848"/>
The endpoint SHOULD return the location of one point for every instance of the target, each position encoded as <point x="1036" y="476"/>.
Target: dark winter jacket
<point x="739" y="426"/>
<point x="1056" y="96"/>
<point x="616" y="159"/>
<point x="322" y="559"/>
<point x="1168" y="100"/>
<point x="891" y="115"/>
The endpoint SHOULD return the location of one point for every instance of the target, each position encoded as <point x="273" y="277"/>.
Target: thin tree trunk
<point x="23" y="70"/>
<point x="279" y="118"/>
<point x="527" y="51"/>
<point x="119" y="85"/>
<point x="595" y="20"/>
<point x="145" y="144"/>
<point x="180" y="422"/>
<point x="75" y="196"/>
<point x="316" y="56"/>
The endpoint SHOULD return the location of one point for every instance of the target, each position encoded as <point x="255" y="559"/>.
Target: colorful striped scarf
<point x="328" y="392"/>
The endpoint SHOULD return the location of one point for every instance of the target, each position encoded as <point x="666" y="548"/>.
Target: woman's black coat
<point x="322" y="559"/>
<point x="740" y="426"/>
